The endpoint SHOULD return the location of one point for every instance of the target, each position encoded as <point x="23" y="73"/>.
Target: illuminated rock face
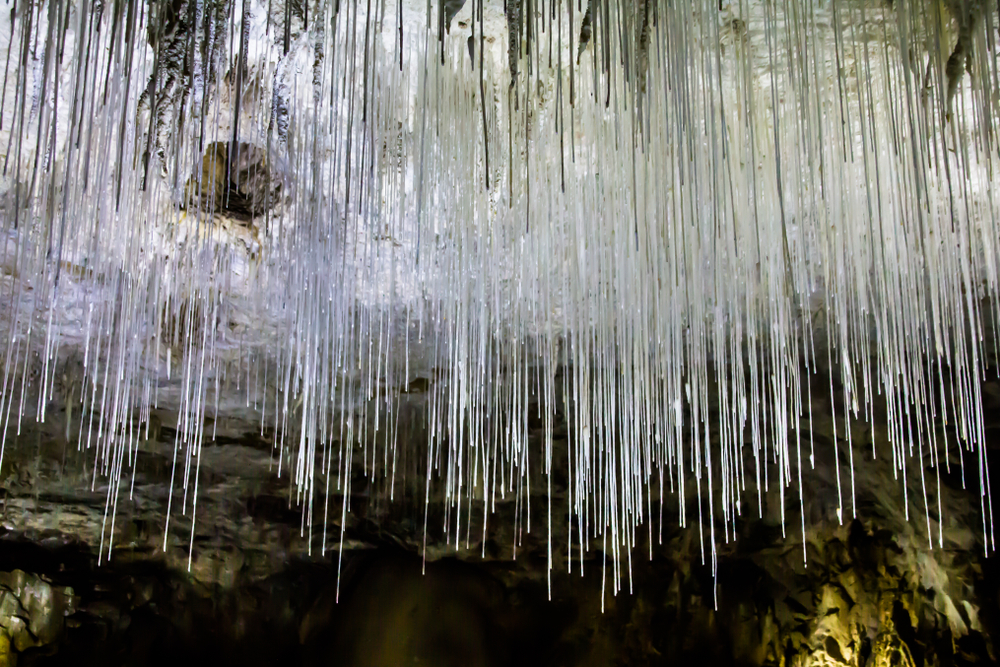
<point x="322" y="279"/>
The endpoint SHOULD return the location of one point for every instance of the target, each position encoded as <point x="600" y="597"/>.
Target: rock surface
<point x="250" y="583"/>
<point x="235" y="180"/>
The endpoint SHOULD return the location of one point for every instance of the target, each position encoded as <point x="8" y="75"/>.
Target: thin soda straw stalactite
<point x="657" y="224"/>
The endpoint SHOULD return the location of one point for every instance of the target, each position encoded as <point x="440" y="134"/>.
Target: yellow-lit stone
<point x="7" y="656"/>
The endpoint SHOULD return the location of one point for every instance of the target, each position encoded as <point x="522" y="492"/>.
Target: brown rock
<point x="235" y="180"/>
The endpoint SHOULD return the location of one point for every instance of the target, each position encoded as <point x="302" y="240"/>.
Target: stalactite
<point x="725" y="204"/>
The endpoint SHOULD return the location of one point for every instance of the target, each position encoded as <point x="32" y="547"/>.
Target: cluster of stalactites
<point x="670" y="226"/>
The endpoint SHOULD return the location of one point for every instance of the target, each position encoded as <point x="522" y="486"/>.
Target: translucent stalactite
<point x="622" y="214"/>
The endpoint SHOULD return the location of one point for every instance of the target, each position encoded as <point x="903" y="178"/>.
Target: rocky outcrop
<point x="32" y="613"/>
